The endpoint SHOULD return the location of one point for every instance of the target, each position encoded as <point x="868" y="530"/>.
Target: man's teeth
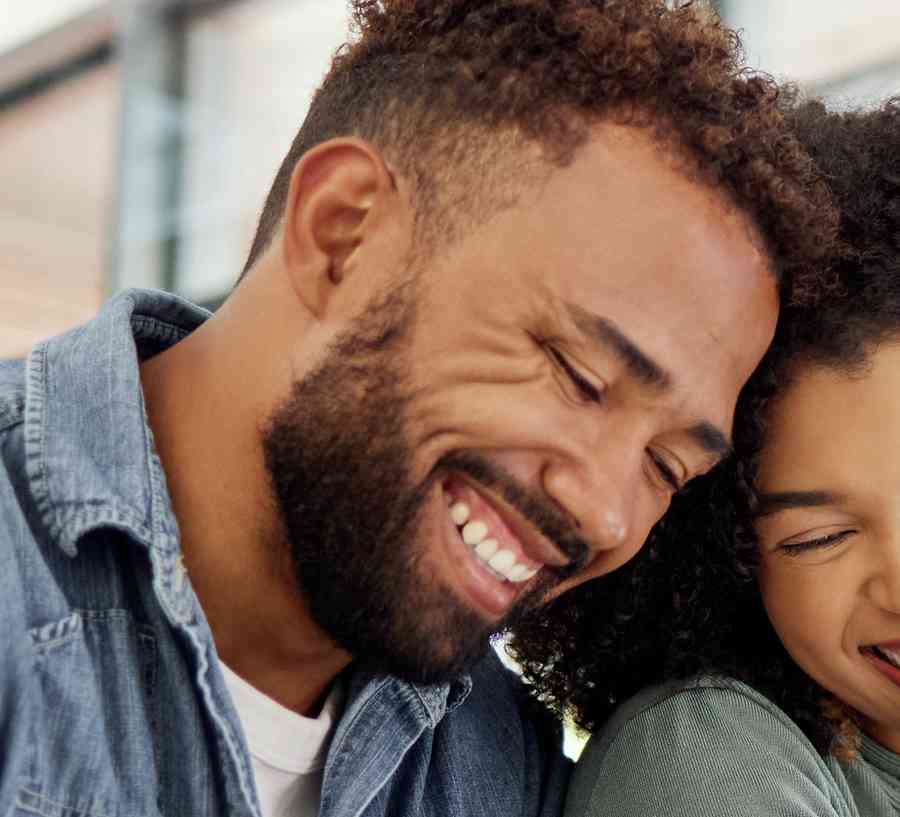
<point x="475" y="534"/>
<point x="459" y="513"/>
<point x="891" y="656"/>
<point x="486" y="549"/>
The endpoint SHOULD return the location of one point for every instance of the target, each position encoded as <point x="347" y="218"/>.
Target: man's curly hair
<point x="450" y="91"/>
<point x="688" y="604"/>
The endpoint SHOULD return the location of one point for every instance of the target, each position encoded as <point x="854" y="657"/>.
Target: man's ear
<point x="337" y="190"/>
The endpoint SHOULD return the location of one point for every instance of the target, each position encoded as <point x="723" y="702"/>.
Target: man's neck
<point x="205" y="426"/>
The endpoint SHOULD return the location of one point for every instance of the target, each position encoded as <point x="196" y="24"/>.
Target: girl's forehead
<point x="832" y="421"/>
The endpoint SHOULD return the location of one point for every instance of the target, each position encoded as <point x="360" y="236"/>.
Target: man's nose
<point x="598" y="495"/>
<point x="884" y="580"/>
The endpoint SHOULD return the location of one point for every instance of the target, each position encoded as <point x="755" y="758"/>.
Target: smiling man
<point x="506" y="287"/>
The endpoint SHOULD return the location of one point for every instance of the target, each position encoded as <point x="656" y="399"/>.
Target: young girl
<point x="765" y="611"/>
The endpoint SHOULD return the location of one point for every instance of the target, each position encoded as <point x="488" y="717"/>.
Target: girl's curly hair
<point x="451" y="90"/>
<point x="688" y="604"/>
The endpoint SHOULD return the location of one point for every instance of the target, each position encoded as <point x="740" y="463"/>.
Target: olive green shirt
<point x="714" y="747"/>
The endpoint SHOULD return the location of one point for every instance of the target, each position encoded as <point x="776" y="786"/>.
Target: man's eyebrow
<point x="645" y="370"/>
<point x="711" y="439"/>
<point x="603" y="331"/>
<point x="785" y="500"/>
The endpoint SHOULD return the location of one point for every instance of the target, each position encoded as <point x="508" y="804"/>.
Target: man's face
<point x="514" y="420"/>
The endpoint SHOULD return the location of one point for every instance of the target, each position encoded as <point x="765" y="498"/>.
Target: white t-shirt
<point x="288" y="750"/>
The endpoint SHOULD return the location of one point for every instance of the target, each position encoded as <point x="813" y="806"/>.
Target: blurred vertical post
<point x="144" y="238"/>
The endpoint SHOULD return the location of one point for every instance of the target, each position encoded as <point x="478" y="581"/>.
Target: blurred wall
<point x="57" y="163"/>
<point x="848" y="52"/>
<point x="244" y="67"/>
<point x="59" y="99"/>
<point x="146" y="164"/>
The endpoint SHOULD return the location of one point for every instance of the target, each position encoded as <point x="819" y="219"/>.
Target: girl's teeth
<point x="474" y="532"/>
<point x="487" y="548"/>
<point x="459" y="513"/>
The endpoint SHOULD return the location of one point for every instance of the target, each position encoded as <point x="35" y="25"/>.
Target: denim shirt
<point x="112" y="700"/>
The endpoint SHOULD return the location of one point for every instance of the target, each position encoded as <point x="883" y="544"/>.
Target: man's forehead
<point x="656" y="136"/>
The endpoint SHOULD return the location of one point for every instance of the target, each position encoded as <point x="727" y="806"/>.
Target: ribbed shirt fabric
<point x="715" y="747"/>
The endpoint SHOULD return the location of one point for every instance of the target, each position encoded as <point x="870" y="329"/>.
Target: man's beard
<point x="340" y="462"/>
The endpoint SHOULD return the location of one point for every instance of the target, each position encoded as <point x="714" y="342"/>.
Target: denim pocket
<point x="92" y="745"/>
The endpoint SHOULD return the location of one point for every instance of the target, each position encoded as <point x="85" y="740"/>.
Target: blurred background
<point x="138" y="139"/>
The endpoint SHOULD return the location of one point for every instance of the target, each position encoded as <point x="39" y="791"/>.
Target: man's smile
<point x="500" y="557"/>
<point x="502" y="561"/>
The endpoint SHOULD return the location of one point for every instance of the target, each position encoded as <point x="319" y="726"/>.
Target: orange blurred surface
<point x="57" y="165"/>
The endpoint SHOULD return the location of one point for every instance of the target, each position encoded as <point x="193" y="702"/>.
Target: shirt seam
<point x="35" y="418"/>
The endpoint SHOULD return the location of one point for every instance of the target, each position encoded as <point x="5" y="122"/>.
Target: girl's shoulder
<point x="705" y="747"/>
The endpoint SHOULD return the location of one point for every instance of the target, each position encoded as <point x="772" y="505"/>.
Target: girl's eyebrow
<point x="785" y="500"/>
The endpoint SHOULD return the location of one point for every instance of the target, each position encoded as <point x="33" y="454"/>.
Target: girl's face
<point x="829" y="534"/>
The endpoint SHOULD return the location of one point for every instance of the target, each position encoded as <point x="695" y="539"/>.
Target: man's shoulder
<point x="498" y="694"/>
<point x="14" y="525"/>
<point x="512" y="734"/>
<point x="12" y="445"/>
<point x="25" y="553"/>
<point x="491" y="671"/>
<point x="12" y="393"/>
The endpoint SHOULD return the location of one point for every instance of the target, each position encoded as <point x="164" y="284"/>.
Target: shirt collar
<point x="433" y="701"/>
<point x="89" y="450"/>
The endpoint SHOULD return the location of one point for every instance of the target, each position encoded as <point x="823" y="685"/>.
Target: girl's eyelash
<point x="585" y="388"/>
<point x="796" y="548"/>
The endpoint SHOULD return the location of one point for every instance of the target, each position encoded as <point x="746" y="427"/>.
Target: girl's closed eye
<point x="819" y="543"/>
